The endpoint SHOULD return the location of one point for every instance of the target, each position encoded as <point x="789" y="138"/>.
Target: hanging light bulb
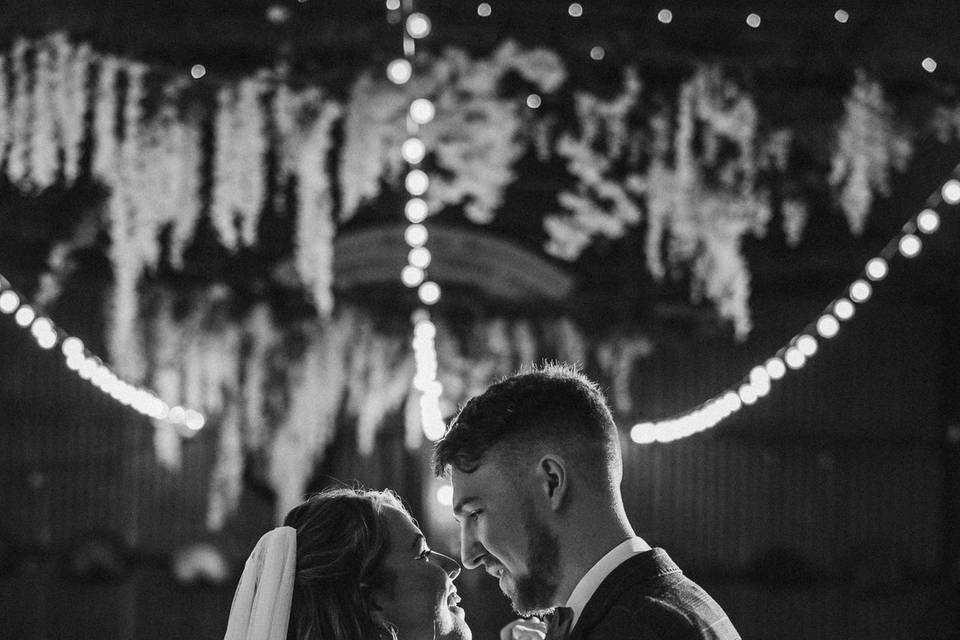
<point x="422" y="111"/>
<point x="429" y="292"/>
<point x="419" y="257"/>
<point x="807" y="345"/>
<point x="24" y="316"/>
<point x="415" y="235"/>
<point x="843" y="309"/>
<point x="417" y="182"/>
<point x="411" y="276"/>
<point x="416" y="210"/>
<point x="413" y="150"/>
<point x="665" y="16"/>
<point x="828" y="326"/>
<point x="775" y="368"/>
<point x="418" y="25"/>
<point x="910" y="246"/>
<point x="951" y="192"/>
<point x="794" y="358"/>
<point x="9" y="301"/>
<point x="399" y="71"/>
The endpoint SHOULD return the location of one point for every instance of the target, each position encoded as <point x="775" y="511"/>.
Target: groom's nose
<point x="471" y="551"/>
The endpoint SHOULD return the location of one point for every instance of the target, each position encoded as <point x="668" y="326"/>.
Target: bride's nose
<point x="448" y="564"/>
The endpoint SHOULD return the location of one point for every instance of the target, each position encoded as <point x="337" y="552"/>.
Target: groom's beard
<point x="532" y="594"/>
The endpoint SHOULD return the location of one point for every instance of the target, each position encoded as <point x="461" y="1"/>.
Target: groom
<point x="536" y="470"/>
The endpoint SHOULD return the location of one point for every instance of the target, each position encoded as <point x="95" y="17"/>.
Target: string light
<point x="416" y="235"/>
<point x="413" y="150"/>
<point x="828" y="326"/>
<point x="399" y="71"/>
<point x="575" y="9"/>
<point x="411" y="276"/>
<point x="928" y="221"/>
<point x="597" y="53"/>
<point x="418" y="25"/>
<point x="87" y="366"/>
<point x="198" y="71"/>
<point x="753" y="20"/>
<point x="393" y="5"/>
<point x="484" y="10"/>
<point x="803" y="347"/>
<point x="533" y="101"/>
<point x="417" y="182"/>
<point x="843" y="309"/>
<point x="429" y="292"/>
<point x="841" y="16"/>
<point x="910" y="246"/>
<point x="877" y="269"/>
<point x="929" y="65"/>
<point x="422" y="111"/>
<point x="951" y="191"/>
<point x="860" y="291"/>
<point x="416" y="210"/>
<point x="419" y="257"/>
<point x="665" y="16"/>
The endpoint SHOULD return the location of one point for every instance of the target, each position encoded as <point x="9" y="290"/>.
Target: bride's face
<point x="422" y="602"/>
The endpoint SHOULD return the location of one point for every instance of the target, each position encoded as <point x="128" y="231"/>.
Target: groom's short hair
<point x="552" y="404"/>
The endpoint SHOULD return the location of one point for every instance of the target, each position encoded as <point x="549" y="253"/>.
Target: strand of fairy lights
<point x="414" y="275"/>
<point x="87" y="366"/>
<point x="665" y="16"/>
<point x="805" y="345"/>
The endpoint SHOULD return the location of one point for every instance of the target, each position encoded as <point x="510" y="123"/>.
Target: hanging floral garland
<point x="21" y="117"/>
<point x="70" y="86"/>
<point x="867" y="147"/>
<point x="476" y="135"/>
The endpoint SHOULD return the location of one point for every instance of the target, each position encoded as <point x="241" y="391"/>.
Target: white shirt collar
<point x="591" y="579"/>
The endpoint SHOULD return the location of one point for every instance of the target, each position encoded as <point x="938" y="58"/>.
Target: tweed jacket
<point x="648" y="598"/>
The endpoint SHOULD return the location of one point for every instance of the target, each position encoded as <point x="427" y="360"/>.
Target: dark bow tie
<point x="558" y="624"/>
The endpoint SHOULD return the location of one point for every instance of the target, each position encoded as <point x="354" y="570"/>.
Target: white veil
<point x="261" y="604"/>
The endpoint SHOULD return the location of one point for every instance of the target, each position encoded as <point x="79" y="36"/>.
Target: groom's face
<point x="502" y="531"/>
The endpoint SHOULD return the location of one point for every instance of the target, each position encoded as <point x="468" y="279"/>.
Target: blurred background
<point x="249" y="250"/>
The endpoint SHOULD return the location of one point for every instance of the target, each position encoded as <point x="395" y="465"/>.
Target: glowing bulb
<point x="753" y="20"/>
<point x="416" y="210"/>
<point x="47" y="340"/>
<point x="910" y="245"/>
<point x="828" y="326"/>
<point x="843" y="309"/>
<point x="24" y="316"/>
<point x="417" y="182"/>
<point x="419" y="257"/>
<point x="642" y="433"/>
<point x="484" y="10"/>
<point x="534" y="101"/>
<point x="9" y="301"/>
<point x="951" y="191"/>
<point x="794" y="359"/>
<point x="422" y="111"/>
<point x="72" y="347"/>
<point x="775" y="368"/>
<point x="429" y="292"/>
<point x="418" y="25"/>
<point x="759" y="376"/>
<point x="877" y="269"/>
<point x="415" y="235"/>
<point x="575" y="9"/>
<point x="748" y="395"/>
<point x="841" y="16"/>
<point x="399" y="71"/>
<point x="928" y="221"/>
<point x="445" y="495"/>
<point x="597" y="53"/>
<point x="665" y="16"/>
<point x="807" y="345"/>
<point x="860" y="291"/>
<point x="278" y="14"/>
<point x="193" y="419"/>
<point x="198" y="71"/>
<point x="411" y="276"/>
<point x="40" y="327"/>
<point x="929" y="65"/>
<point x="731" y="402"/>
<point x="413" y="150"/>
<point x="393" y="5"/>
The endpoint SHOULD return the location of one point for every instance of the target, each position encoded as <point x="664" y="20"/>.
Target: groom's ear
<point x="553" y="479"/>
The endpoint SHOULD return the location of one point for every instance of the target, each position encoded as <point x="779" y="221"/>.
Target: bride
<point x="348" y="564"/>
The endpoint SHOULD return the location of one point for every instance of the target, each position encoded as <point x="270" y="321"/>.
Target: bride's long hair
<point x="341" y="543"/>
